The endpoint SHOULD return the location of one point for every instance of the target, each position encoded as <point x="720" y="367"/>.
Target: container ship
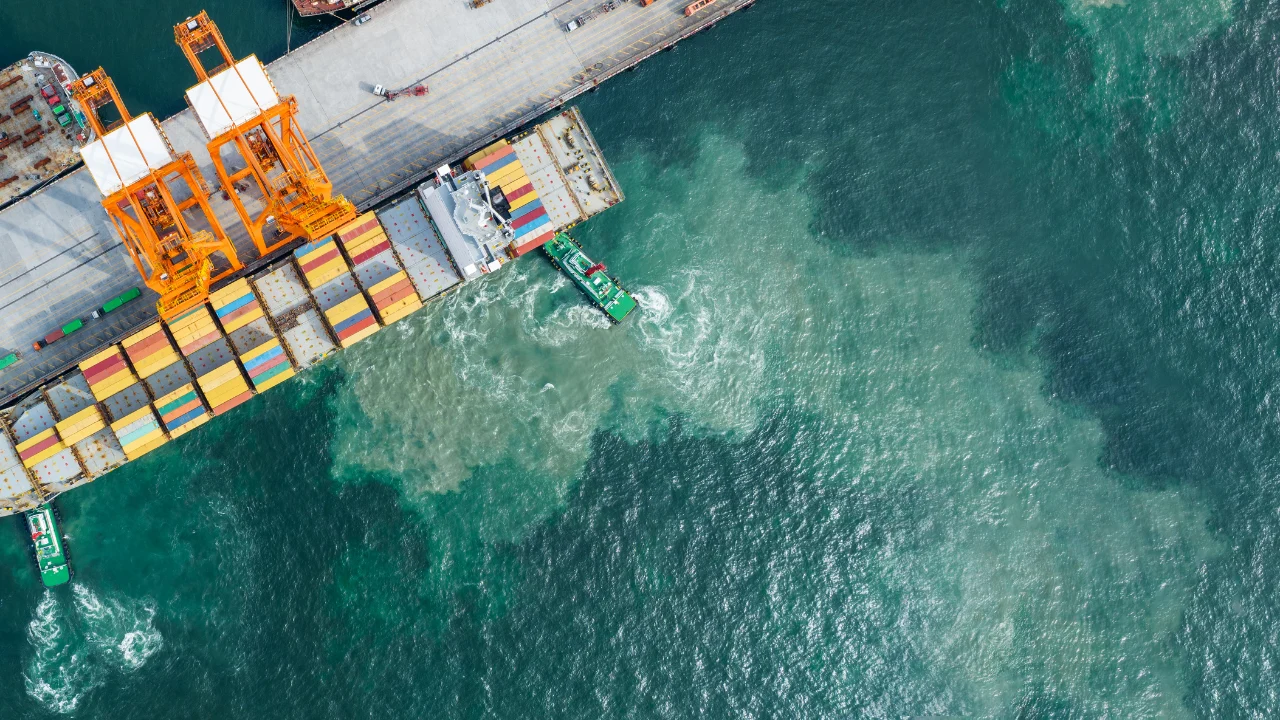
<point x="255" y="267"/>
<point x="256" y="331"/>
<point x="41" y="127"/>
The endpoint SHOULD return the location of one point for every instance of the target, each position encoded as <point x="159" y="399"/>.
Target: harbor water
<point x="950" y="392"/>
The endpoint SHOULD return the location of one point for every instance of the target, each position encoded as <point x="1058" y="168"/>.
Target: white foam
<point x="77" y="646"/>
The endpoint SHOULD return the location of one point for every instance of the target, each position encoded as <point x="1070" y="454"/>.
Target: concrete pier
<point x="489" y="70"/>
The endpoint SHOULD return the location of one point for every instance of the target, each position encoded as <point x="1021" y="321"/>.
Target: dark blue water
<point x="951" y="393"/>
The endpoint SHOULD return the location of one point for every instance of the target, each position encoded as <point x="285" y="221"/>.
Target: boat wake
<point x="77" y="645"/>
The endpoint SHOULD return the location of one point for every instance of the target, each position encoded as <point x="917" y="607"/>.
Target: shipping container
<point x="224" y="387"/>
<point x="320" y="262"/>
<point x="512" y="174"/>
<point x="39" y="447"/>
<point x="694" y="7"/>
<point x="528" y="244"/>
<point x="81" y="425"/>
<point x="150" y="350"/>
<point x="538" y="224"/>
<point x="107" y="373"/>
<point x="52" y="464"/>
<point x="194" y="330"/>
<point x="267" y="365"/>
<point x="235" y="305"/>
<point x="182" y="411"/>
<point x="139" y="433"/>
<point x="351" y="320"/>
<point x="301" y="327"/>
<point x="118" y="301"/>
<point x="394" y="297"/>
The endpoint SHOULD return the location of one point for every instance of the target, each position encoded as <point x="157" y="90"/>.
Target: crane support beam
<point x="250" y="126"/>
<point x="156" y="199"/>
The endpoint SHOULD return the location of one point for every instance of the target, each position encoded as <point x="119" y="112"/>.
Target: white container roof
<point x="127" y="154"/>
<point x="233" y="96"/>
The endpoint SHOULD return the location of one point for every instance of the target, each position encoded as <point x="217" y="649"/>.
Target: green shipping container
<point x="8" y="360"/>
<point x="72" y="326"/>
<point x="58" y="109"/>
<point x="119" y="300"/>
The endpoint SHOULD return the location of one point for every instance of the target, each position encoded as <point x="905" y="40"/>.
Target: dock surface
<point x="490" y="70"/>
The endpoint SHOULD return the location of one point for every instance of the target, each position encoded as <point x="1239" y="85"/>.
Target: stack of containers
<point x="139" y="432"/>
<point x="163" y="370"/>
<point x="416" y="243"/>
<point x="217" y="373"/>
<point x="52" y="464"/>
<point x="40" y="447"/>
<point x="503" y="170"/>
<point x="335" y="291"/>
<point x="124" y="409"/>
<point x="295" y="315"/>
<point x="17" y="494"/>
<point x="320" y="262"/>
<point x="150" y="350"/>
<point x="377" y="268"/>
<point x="251" y="335"/>
<point x="107" y="373"/>
<point x="83" y="428"/>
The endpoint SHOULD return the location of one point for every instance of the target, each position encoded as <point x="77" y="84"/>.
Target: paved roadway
<point x="489" y="70"/>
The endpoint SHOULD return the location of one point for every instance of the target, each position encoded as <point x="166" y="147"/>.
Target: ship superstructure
<point x="461" y="206"/>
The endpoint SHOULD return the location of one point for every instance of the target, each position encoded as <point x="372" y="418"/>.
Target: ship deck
<point x="34" y="151"/>
<point x="490" y="71"/>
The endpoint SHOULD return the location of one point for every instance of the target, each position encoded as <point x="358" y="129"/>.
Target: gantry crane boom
<point x="239" y="108"/>
<point x="147" y="190"/>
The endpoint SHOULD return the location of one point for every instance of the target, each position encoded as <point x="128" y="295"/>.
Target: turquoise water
<point x="950" y="393"/>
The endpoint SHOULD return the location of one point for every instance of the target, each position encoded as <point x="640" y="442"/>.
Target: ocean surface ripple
<point x="950" y="393"/>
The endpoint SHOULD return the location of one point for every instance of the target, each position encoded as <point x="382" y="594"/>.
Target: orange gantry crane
<point x="241" y="113"/>
<point x="157" y="199"/>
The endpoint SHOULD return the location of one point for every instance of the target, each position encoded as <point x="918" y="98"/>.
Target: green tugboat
<point x="50" y="554"/>
<point x="604" y="291"/>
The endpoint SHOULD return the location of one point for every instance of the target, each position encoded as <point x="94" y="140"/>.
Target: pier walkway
<point x="489" y="70"/>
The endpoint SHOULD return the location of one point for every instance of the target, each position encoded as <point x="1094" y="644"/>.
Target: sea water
<point x="950" y="393"/>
